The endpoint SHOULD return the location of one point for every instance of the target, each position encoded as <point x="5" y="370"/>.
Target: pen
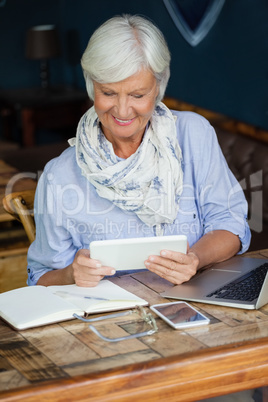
<point x="64" y="293"/>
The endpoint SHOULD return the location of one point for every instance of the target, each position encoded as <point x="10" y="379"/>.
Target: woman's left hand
<point x="174" y="266"/>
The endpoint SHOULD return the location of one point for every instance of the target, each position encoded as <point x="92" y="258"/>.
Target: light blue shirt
<point x="69" y="214"/>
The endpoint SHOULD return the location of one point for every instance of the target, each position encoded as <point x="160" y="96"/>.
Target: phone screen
<point x="180" y="313"/>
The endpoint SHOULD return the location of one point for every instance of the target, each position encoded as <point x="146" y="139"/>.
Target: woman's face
<point x="125" y="107"/>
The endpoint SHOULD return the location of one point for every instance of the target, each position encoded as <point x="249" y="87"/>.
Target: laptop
<point x="240" y="282"/>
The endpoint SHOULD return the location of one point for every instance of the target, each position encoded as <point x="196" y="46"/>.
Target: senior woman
<point x="134" y="169"/>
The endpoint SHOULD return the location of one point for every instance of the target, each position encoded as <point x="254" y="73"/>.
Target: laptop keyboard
<point x="244" y="288"/>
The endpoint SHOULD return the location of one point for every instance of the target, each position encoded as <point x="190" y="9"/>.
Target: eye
<point x="108" y="93"/>
<point x="137" y="96"/>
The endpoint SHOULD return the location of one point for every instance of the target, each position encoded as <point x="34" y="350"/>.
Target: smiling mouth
<point x="123" y="122"/>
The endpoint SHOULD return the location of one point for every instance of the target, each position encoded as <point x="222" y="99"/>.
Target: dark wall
<point x="227" y="72"/>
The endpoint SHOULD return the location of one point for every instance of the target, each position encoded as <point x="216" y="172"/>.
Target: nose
<point x="123" y="107"/>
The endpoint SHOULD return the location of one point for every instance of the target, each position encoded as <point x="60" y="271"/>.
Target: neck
<point x="125" y="149"/>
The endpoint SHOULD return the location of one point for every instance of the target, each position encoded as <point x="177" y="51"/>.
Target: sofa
<point x="245" y="148"/>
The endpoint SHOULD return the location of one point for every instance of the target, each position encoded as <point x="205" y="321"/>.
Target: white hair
<point x="123" y="46"/>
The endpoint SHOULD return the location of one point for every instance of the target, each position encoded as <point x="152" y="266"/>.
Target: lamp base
<point x="44" y="74"/>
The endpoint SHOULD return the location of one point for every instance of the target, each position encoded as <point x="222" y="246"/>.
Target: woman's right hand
<point x="86" y="271"/>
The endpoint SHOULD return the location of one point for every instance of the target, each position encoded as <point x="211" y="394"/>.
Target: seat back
<point x="20" y="205"/>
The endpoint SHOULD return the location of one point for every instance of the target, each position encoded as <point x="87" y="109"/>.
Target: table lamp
<point x="42" y="43"/>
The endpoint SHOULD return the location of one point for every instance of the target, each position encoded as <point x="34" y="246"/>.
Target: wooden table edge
<point x="188" y="377"/>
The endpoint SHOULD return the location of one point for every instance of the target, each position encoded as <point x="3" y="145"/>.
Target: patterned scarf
<point x="149" y="182"/>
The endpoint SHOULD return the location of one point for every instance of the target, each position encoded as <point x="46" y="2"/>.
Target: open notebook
<point x="238" y="282"/>
<point x="34" y="306"/>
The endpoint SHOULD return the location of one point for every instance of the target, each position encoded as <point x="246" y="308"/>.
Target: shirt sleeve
<point x="53" y="247"/>
<point x="222" y="201"/>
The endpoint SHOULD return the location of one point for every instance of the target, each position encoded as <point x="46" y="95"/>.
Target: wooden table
<point x="68" y="362"/>
<point x="33" y="108"/>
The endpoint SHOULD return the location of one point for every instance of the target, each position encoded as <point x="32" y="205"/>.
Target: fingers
<point x="174" y="266"/>
<point x="87" y="271"/>
<point x="90" y="283"/>
<point x="91" y="275"/>
<point x="83" y="261"/>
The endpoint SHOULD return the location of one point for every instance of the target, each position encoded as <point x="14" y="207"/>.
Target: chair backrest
<point x="20" y="205"/>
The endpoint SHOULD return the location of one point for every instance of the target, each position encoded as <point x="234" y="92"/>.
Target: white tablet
<point x="128" y="254"/>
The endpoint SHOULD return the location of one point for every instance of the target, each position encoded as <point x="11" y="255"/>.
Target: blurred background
<point x="226" y="72"/>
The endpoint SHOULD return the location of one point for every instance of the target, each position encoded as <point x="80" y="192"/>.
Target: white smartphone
<point x="129" y="254"/>
<point x="180" y="315"/>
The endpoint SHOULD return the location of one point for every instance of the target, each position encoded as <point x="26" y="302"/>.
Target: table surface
<point x="39" y="97"/>
<point x="30" y="109"/>
<point x="67" y="361"/>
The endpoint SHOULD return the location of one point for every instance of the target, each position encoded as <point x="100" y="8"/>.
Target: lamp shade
<point x="42" y="42"/>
